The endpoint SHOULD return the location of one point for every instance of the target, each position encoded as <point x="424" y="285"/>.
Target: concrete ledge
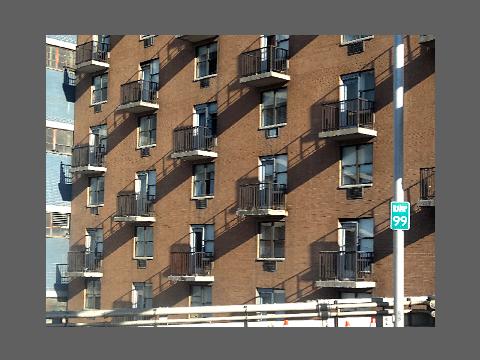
<point x="138" y="107"/>
<point x="262" y="212"/>
<point x="134" y="218"/>
<point x="194" y="38"/>
<point x="86" y="274"/>
<point x="265" y="79"/>
<point x="191" y="278"/>
<point x="349" y="284"/>
<point x="349" y="133"/>
<point x="194" y="155"/>
<point x="92" y="66"/>
<point x="89" y="169"/>
<point x="425" y="203"/>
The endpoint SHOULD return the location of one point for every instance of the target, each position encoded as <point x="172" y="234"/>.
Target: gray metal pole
<point x="398" y="238"/>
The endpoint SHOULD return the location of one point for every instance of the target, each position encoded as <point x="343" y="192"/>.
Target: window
<point x="206" y="60"/>
<point x="59" y="140"/>
<point x="357" y="235"/>
<point x="202" y="238"/>
<point x="147" y="131"/>
<point x="271" y="240"/>
<point x="92" y="294"/>
<point x="205" y="115"/>
<point x="359" y="85"/>
<point x="94" y="241"/>
<point x="59" y="58"/>
<point x="270" y="296"/>
<point x="274" y="108"/>
<point x="357" y="164"/>
<point x="201" y="295"/>
<point x="203" y="180"/>
<point x="57" y="224"/>
<point x="142" y="295"/>
<point x="98" y="137"/>
<point x="143" y="242"/>
<point x="99" y="88"/>
<point x="273" y="169"/>
<point x="95" y="191"/>
<point x="146" y="184"/>
<point x="348" y="39"/>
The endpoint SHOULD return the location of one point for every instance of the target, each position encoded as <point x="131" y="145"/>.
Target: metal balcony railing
<point x="62" y="274"/>
<point x="427" y="183"/>
<point x="139" y="90"/>
<point x="347" y="113"/>
<point x="345" y="265"/>
<point x="84" y="261"/>
<point x="192" y="138"/>
<point x="88" y="155"/>
<point x="262" y="196"/>
<point x="92" y="50"/>
<point x="269" y="58"/>
<point x="191" y="263"/>
<point x="134" y="205"/>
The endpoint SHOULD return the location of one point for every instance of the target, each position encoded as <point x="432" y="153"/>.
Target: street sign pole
<point x="398" y="238"/>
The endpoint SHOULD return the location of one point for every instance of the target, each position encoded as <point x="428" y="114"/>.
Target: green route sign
<point x="400" y="215"/>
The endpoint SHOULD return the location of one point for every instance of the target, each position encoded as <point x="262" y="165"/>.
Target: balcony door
<point x="204" y="122"/>
<point x="93" y="248"/>
<point x="348" y="243"/>
<point x="201" y="246"/>
<point x="273" y="179"/>
<point x="98" y="142"/>
<point x="354" y="86"/>
<point x="145" y="188"/>
<point x="266" y="60"/>
<point x="150" y="77"/>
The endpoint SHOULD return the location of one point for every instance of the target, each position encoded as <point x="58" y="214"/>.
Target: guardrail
<point x="265" y="59"/>
<point x="262" y="196"/>
<point x="347" y="113"/>
<point x="92" y="50"/>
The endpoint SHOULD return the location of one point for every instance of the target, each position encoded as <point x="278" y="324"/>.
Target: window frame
<point x="88" y="235"/>
<point x="152" y="173"/>
<point x="92" y="89"/>
<point x="96" y="295"/>
<point x="274" y="108"/>
<point x="149" y="131"/>
<point x="135" y="291"/>
<point x="357" y="166"/>
<point x="272" y="291"/>
<point x="145" y="241"/>
<point x="54" y="144"/>
<point x="196" y="74"/>
<point x="204" y="181"/>
<point x="89" y="204"/>
<point x="49" y="225"/>
<point x="343" y="42"/>
<point x="272" y="241"/>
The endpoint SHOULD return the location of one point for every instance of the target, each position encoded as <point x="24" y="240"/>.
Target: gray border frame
<point x="23" y="258"/>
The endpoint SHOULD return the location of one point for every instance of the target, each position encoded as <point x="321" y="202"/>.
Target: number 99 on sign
<point x="401" y="221"/>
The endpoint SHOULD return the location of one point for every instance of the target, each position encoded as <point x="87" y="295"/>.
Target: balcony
<point x="88" y="159"/>
<point x="84" y="264"/>
<point x="191" y="266"/>
<point x="346" y="269"/>
<point x="427" y="40"/>
<point x="92" y="57"/>
<point x="138" y="96"/>
<point x="264" y="67"/>
<point x="132" y="207"/>
<point x="348" y="120"/>
<point x="195" y="38"/>
<point x="427" y="187"/>
<point x="262" y="199"/>
<point x="193" y="143"/>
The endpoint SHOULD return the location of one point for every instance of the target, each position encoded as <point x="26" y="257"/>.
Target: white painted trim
<point x="58" y="125"/>
<point x="60" y="43"/>
<point x="343" y="42"/>
<point x="58" y="208"/>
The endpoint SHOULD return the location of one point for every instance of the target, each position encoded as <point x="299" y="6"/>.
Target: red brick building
<point x="245" y="168"/>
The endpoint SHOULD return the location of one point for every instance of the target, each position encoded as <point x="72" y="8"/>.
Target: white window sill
<point x="204" y="77"/>
<point x="99" y="103"/>
<point x="343" y="43"/>
<point x="202" y="197"/>
<point x="355" y="186"/>
<point x="271" y="259"/>
<point x="143" y="258"/>
<point x="95" y="206"/>
<point x="146" y="146"/>
<point x="272" y="126"/>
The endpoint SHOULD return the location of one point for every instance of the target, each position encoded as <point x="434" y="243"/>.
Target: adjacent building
<point x="217" y="169"/>
<point x="60" y="98"/>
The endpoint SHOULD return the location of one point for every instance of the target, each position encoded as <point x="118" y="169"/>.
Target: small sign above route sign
<point x="400" y="215"/>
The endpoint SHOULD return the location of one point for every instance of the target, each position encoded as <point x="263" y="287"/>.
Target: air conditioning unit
<point x="356" y="48"/>
<point x="355" y="193"/>
<point x="270" y="266"/>
<point x="145" y="151"/>
<point x="201" y="203"/>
